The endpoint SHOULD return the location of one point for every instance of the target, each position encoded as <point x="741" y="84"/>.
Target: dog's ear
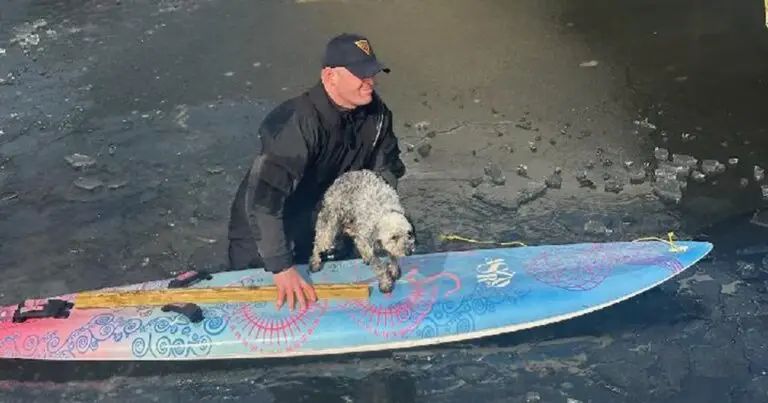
<point x="410" y="220"/>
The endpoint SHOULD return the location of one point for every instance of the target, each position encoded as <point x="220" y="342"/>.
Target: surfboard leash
<point x="673" y="246"/>
<point x="454" y="237"/>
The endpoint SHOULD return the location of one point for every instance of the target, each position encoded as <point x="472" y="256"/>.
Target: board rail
<point x="449" y="297"/>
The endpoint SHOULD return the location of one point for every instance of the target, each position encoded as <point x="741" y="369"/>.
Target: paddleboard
<point x="441" y="297"/>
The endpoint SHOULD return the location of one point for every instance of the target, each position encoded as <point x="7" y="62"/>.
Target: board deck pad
<point x="441" y="297"/>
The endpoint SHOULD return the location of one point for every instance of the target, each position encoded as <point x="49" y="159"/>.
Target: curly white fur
<point x="363" y="206"/>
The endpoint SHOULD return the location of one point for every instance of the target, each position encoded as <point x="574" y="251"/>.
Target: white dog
<point x="363" y="206"/>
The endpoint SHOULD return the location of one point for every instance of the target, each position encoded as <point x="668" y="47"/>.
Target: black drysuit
<point x="307" y="142"/>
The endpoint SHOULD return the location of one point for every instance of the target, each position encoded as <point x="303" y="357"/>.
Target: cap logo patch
<point x="364" y="46"/>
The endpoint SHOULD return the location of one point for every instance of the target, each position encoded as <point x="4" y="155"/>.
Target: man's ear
<point x="325" y="75"/>
<point x="329" y="75"/>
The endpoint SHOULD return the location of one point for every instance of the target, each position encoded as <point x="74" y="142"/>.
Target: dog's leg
<point x="386" y="282"/>
<point x="325" y="234"/>
<point x="366" y="251"/>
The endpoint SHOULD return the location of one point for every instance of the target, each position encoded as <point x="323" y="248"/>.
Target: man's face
<point x="351" y="89"/>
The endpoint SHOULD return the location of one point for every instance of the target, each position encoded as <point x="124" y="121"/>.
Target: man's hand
<point x="290" y="284"/>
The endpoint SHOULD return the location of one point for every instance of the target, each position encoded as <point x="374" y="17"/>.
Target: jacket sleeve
<point x="274" y="176"/>
<point x="386" y="159"/>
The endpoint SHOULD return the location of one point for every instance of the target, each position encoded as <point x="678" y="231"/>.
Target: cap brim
<point x="368" y="68"/>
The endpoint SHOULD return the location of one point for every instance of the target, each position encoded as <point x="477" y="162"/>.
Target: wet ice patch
<point x="684" y="284"/>
<point x="684" y="160"/>
<point x="661" y="154"/>
<point x="758" y="173"/>
<point x="644" y="123"/>
<point x="743" y="182"/>
<point x="87" y="183"/>
<point x="712" y="167"/>
<point x="686" y="137"/>
<point x="51" y="34"/>
<point x="169" y="6"/>
<point x="760" y="218"/>
<point x="2" y="52"/>
<point x="182" y="116"/>
<point x="532" y="397"/>
<point x="730" y="288"/>
<point x="79" y="161"/>
<point x="27" y="35"/>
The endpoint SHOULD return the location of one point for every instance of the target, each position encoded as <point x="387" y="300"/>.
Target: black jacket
<point x="307" y="142"/>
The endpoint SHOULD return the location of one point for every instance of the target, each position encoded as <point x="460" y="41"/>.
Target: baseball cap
<point x="354" y="52"/>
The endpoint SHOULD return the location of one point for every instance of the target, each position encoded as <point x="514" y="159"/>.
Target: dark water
<point x="527" y="363"/>
<point x="141" y="87"/>
<point x="694" y="67"/>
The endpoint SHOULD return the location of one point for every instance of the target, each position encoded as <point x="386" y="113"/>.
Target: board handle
<point x="188" y="278"/>
<point x="52" y="308"/>
<point x="193" y="312"/>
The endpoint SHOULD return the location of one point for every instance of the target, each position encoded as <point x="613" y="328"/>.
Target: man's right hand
<point x="291" y="286"/>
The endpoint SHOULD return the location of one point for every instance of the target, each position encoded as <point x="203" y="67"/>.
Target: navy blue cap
<point x="353" y="52"/>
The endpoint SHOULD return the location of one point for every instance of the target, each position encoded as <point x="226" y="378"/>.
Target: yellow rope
<point x="673" y="247"/>
<point x="452" y="237"/>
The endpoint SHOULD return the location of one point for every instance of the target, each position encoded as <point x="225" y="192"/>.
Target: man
<point x="338" y="125"/>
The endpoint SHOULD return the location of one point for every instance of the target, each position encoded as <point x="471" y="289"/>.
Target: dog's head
<point x="395" y="234"/>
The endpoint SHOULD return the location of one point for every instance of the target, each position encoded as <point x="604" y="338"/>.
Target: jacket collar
<point x="333" y="115"/>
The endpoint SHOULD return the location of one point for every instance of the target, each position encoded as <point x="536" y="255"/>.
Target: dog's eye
<point x="395" y="237"/>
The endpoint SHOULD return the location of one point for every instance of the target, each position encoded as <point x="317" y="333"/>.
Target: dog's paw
<point x="367" y="259"/>
<point x="386" y="284"/>
<point x="315" y="264"/>
<point x="393" y="269"/>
